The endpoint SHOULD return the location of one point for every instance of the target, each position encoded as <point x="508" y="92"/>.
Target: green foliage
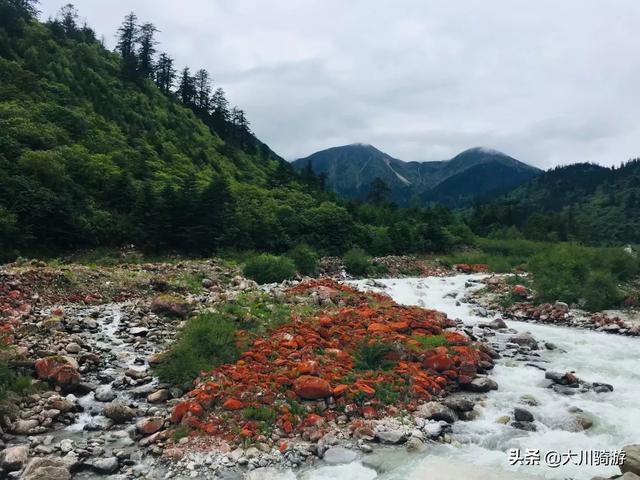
<point x="372" y="356"/>
<point x="502" y="256"/>
<point x="356" y="261"/>
<point x="577" y="274"/>
<point x="430" y="342"/>
<point x="180" y="432"/>
<point x="266" y="268"/>
<point x="260" y="414"/>
<point x="386" y="394"/>
<point x="305" y="259"/>
<point x="254" y="312"/>
<point x="206" y="341"/>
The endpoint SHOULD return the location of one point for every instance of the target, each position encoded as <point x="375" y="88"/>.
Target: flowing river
<point x="480" y="449"/>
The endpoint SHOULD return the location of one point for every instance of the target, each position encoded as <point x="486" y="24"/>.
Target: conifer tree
<point x="147" y="49"/>
<point x="187" y="88"/>
<point x="165" y="73"/>
<point x="202" y="90"/>
<point x="127" y="37"/>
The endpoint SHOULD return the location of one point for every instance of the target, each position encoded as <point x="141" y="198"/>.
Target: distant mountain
<point x="474" y="173"/>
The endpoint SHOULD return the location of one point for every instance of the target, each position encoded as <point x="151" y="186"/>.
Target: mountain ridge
<point x="350" y="169"/>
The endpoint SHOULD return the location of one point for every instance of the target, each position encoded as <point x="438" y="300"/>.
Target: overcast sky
<point x="546" y="81"/>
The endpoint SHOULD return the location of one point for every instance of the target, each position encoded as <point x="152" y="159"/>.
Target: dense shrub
<point x="582" y="275"/>
<point x="305" y="259"/>
<point x="356" y="261"/>
<point x="206" y="341"/>
<point x="372" y="356"/>
<point x="267" y="268"/>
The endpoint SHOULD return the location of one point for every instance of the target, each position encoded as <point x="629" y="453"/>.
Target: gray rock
<point x="481" y="385"/>
<point x="118" y="412"/>
<point x="459" y="404"/>
<point x="632" y="459"/>
<point x="104" y="393"/>
<point x="139" y="331"/>
<point x="104" y="465"/>
<point x="391" y="437"/>
<point x="529" y="400"/>
<point x="46" y="469"/>
<point x="415" y="445"/>
<point x="522" y="415"/>
<point x="496" y="324"/>
<point x="159" y="396"/>
<point x="73" y="348"/>
<point x="629" y="476"/>
<point x="264" y="473"/>
<point x="14" y="458"/>
<point x="436" y="411"/>
<point x="524" y="340"/>
<point x="23" y="427"/>
<point x="337" y="455"/>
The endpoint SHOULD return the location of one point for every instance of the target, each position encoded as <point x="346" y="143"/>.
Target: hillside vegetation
<point x="581" y="202"/>
<point x="114" y="148"/>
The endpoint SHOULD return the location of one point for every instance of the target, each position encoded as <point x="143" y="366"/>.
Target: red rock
<point x="58" y="370"/>
<point x="232" y="404"/>
<point x="439" y="362"/>
<point x="520" y="290"/>
<point x="311" y="388"/>
<point x="148" y="426"/>
<point x="340" y="389"/>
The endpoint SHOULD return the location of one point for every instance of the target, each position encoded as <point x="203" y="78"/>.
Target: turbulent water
<point x="481" y="446"/>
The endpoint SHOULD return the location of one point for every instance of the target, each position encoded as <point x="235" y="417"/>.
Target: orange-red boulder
<point x="311" y="388"/>
<point x="439" y="362"/>
<point x="232" y="404"/>
<point x="58" y="370"/>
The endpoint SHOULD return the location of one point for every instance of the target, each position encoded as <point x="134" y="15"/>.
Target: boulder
<point x="481" y="385"/>
<point x="337" y="455"/>
<point x="14" y="458"/>
<point x="459" y="404"/>
<point x="104" y="393"/>
<point x="436" y="411"/>
<point x="159" y="396"/>
<point x="439" y="362"/>
<point x="24" y="427"/>
<point x="632" y="459"/>
<point x="312" y="388"/>
<point x="171" y="306"/>
<point x="46" y="469"/>
<point x="524" y="340"/>
<point x="104" y="465"/>
<point x="522" y="415"/>
<point x="496" y="324"/>
<point x="59" y="370"/>
<point x="148" y="426"/>
<point x="391" y="437"/>
<point x="118" y="412"/>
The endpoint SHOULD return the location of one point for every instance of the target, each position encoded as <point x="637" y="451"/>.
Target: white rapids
<point x="481" y="447"/>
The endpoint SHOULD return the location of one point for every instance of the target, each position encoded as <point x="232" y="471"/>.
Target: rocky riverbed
<point x="99" y="411"/>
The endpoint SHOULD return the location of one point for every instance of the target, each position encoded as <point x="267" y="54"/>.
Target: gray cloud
<point x="547" y="82"/>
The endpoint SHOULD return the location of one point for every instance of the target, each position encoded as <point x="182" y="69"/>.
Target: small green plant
<point x="356" y="261"/>
<point x="267" y="268"/>
<point x="181" y="432"/>
<point x="260" y="414"/>
<point x="508" y="299"/>
<point x="206" y="341"/>
<point x="372" y="356"/>
<point x="432" y="341"/>
<point x="296" y="408"/>
<point x="305" y="259"/>
<point x="386" y="394"/>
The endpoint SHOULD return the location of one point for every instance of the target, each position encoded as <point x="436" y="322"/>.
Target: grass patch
<point x="430" y="342"/>
<point x="206" y="341"/>
<point x="181" y="432"/>
<point x="260" y="414"/>
<point x="372" y="356"/>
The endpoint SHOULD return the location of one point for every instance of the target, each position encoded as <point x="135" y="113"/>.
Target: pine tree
<point x="202" y="90"/>
<point x="67" y="17"/>
<point x="147" y="49"/>
<point x="127" y="37"/>
<point x="11" y="11"/>
<point x="187" y="88"/>
<point x="165" y="74"/>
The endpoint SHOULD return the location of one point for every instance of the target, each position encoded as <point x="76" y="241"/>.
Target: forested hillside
<point x="581" y="202"/>
<point x="111" y="148"/>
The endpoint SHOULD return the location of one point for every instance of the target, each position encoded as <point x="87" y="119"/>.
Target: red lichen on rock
<point x="314" y="359"/>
